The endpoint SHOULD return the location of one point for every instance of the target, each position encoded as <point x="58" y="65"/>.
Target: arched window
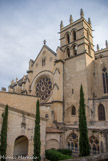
<point x="75" y="49"/>
<point x="105" y="79"/>
<point x="68" y="52"/>
<point x="94" y="145"/>
<point x="68" y="38"/>
<point x="72" y="143"/>
<point x="101" y="113"/>
<point x="72" y="146"/>
<point x="73" y="110"/>
<point x="88" y="33"/>
<point x="94" y="149"/>
<point x="74" y="35"/>
<point x="43" y="61"/>
<point x="89" y="51"/>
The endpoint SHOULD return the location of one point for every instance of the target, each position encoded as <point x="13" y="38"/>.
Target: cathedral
<point x="55" y="79"/>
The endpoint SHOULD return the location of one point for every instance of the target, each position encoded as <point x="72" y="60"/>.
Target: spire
<point x="16" y="79"/>
<point x="81" y="13"/>
<point x="97" y="47"/>
<point x="61" y="25"/>
<point x="71" y="19"/>
<point x="89" y="21"/>
<point x="106" y="43"/>
<point x="12" y="82"/>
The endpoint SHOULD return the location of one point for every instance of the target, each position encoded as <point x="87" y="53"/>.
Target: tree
<point x="4" y="133"/>
<point x="37" y="142"/>
<point x="84" y="147"/>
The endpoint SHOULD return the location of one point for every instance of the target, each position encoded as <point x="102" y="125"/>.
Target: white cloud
<point x="25" y="24"/>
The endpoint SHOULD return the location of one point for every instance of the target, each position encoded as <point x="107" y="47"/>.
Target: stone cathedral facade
<point x="55" y="78"/>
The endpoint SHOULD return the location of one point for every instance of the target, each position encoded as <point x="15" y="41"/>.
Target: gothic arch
<point x="67" y="37"/>
<point x="88" y="34"/>
<point x="72" y="142"/>
<point x="45" y="73"/>
<point x="43" y="61"/>
<point x="67" y="52"/>
<point x="74" y="34"/>
<point x="57" y="70"/>
<point x="101" y="112"/>
<point x="73" y="112"/>
<point x="105" y="79"/>
<point x="75" y="48"/>
<point x="89" y="48"/>
<point x="94" y="144"/>
<point x="56" y="86"/>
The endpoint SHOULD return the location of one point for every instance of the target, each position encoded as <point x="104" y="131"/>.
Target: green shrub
<point x="65" y="151"/>
<point x="54" y="155"/>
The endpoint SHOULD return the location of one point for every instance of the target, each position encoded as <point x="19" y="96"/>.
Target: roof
<point x="19" y="82"/>
<point x="48" y="49"/>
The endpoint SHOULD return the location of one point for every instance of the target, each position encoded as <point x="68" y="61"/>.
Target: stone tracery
<point x="43" y="88"/>
<point x="73" y="143"/>
<point x="94" y="145"/>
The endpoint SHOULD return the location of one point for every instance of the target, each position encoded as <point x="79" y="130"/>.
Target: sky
<point x="24" y="24"/>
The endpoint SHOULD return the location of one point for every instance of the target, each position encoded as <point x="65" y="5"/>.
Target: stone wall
<point x="102" y="157"/>
<point x="21" y="121"/>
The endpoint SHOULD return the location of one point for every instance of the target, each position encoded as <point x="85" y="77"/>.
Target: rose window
<point x="43" y="88"/>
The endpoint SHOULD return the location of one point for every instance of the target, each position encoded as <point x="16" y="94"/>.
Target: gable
<point x="44" y="61"/>
<point x="46" y="51"/>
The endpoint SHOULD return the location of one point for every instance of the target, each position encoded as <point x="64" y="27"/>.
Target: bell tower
<point x="76" y="42"/>
<point x="76" y="38"/>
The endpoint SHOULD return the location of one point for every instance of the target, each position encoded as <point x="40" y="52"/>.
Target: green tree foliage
<point x="37" y="142"/>
<point x="54" y="155"/>
<point x="4" y="133"/>
<point x="84" y="147"/>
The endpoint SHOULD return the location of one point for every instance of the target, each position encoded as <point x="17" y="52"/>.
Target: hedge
<point x="65" y="151"/>
<point x="54" y="155"/>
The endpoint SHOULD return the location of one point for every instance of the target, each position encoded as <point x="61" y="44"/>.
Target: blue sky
<point x="24" y="24"/>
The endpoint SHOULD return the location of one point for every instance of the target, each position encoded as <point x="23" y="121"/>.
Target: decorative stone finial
<point x="16" y="79"/>
<point x="97" y="47"/>
<point x="44" y="42"/>
<point x="12" y="82"/>
<point x="71" y="19"/>
<point x="61" y="24"/>
<point x="89" y="21"/>
<point x="106" y="43"/>
<point x="81" y="13"/>
<point x="24" y="77"/>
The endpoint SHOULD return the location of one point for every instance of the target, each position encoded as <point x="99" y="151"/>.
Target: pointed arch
<point x="89" y="49"/>
<point x="43" y="61"/>
<point x="56" y="86"/>
<point x="105" y="79"/>
<point x="74" y="35"/>
<point x="94" y="144"/>
<point x="101" y="112"/>
<point x="73" y="110"/>
<point x="72" y="142"/>
<point x="57" y="70"/>
<point x="75" y="49"/>
<point x="68" y="52"/>
<point x="88" y="34"/>
<point x="67" y="37"/>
